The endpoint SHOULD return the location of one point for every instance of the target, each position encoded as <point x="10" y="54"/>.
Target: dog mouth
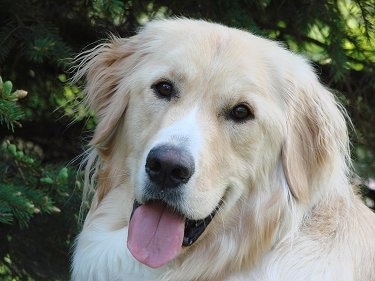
<point x="157" y="232"/>
<point x="194" y="228"/>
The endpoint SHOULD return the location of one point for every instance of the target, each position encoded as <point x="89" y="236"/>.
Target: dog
<point x="217" y="155"/>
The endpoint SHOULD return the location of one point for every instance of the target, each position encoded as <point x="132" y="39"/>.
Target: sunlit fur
<point x="289" y="211"/>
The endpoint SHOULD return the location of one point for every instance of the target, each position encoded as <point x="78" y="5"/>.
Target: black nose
<point x="169" y="166"/>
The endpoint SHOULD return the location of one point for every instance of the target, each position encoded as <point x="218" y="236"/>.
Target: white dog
<point x="218" y="155"/>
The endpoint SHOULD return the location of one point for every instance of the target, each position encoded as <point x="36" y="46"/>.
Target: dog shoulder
<point x="331" y="244"/>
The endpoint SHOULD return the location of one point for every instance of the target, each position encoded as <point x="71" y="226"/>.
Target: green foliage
<point x="10" y="111"/>
<point x="109" y="10"/>
<point x="37" y="42"/>
<point x="26" y="186"/>
<point x="29" y="190"/>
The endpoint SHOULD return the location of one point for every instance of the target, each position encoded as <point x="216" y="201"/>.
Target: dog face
<point x="198" y="117"/>
<point x="193" y="119"/>
<point x="217" y="110"/>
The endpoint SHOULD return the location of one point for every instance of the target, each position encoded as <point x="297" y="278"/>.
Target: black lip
<point x="193" y="228"/>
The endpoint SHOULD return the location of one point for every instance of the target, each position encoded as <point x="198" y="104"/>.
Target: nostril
<point x="180" y="173"/>
<point x="153" y="167"/>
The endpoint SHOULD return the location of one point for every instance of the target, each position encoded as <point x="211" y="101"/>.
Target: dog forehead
<point x="205" y="53"/>
<point x="184" y="39"/>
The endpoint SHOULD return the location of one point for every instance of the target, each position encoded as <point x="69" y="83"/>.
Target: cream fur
<point x="289" y="211"/>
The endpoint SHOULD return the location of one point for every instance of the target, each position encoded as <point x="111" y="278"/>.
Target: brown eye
<point x="164" y="89"/>
<point x="241" y="112"/>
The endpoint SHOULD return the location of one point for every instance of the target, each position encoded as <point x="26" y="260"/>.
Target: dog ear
<point x="316" y="141"/>
<point x="104" y="67"/>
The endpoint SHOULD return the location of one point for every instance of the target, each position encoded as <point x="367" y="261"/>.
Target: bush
<point x="34" y="197"/>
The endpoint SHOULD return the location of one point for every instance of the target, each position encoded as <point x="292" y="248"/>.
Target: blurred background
<point x="43" y="132"/>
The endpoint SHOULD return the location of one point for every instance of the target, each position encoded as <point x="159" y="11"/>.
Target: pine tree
<point x="10" y="111"/>
<point x="29" y="189"/>
<point x="23" y="191"/>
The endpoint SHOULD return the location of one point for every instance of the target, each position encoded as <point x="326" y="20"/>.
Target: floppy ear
<point x="316" y="141"/>
<point x="107" y="69"/>
<point x="104" y="67"/>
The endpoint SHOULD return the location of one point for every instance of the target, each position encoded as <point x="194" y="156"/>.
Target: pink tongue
<point x="155" y="234"/>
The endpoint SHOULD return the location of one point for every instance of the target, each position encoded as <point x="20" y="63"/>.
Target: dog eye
<point x="164" y="89"/>
<point x="241" y="112"/>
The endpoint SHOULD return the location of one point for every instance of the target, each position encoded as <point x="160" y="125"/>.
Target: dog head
<point x="198" y="118"/>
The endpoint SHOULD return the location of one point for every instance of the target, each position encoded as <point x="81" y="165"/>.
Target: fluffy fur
<point x="288" y="212"/>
